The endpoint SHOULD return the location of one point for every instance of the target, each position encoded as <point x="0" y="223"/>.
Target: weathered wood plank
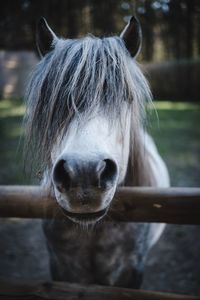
<point x="138" y="204"/>
<point x="69" y="291"/>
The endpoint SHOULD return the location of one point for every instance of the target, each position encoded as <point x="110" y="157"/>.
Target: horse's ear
<point x="132" y="36"/>
<point x="45" y="37"/>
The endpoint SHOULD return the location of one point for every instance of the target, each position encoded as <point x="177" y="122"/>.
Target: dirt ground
<point x="173" y="264"/>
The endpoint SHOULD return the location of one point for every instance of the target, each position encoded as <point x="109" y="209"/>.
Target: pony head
<point x="85" y="106"/>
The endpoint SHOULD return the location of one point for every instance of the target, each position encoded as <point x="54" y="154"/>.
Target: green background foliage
<point x="176" y="132"/>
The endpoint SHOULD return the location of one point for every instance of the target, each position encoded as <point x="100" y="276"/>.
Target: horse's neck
<point x="139" y="172"/>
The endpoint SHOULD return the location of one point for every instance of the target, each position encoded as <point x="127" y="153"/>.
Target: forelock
<point x="78" y="78"/>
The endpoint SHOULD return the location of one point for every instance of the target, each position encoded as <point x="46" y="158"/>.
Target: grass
<point x="177" y="135"/>
<point x="11" y="166"/>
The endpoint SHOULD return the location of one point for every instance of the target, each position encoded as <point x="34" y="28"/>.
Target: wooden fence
<point x="71" y="291"/>
<point x="168" y="205"/>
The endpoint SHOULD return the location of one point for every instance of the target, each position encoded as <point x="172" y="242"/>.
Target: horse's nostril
<point x="62" y="175"/>
<point x="71" y="173"/>
<point x="108" y="173"/>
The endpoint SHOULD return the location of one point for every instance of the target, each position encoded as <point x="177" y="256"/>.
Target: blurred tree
<point x="147" y="16"/>
<point x="170" y="27"/>
<point x="104" y="16"/>
<point x="179" y="19"/>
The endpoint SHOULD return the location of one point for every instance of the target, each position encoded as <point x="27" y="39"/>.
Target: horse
<point x="86" y="102"/>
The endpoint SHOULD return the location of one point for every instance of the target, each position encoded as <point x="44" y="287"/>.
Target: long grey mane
<point x="80" y="77"/>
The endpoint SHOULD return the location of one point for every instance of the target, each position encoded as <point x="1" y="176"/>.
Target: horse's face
<point x="89" y="165"/>
<point x="91" y="160"/>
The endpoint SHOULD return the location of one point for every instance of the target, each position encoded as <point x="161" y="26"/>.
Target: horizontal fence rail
<point x="72" y="291"/>
<point x="130" y="204"/>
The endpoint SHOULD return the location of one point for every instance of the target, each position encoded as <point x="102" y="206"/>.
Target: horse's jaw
<point x="85" y="207"/>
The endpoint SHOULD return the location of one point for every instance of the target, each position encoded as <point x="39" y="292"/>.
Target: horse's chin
<point x="85" y="218"/>
<point x="79" y="209"/>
